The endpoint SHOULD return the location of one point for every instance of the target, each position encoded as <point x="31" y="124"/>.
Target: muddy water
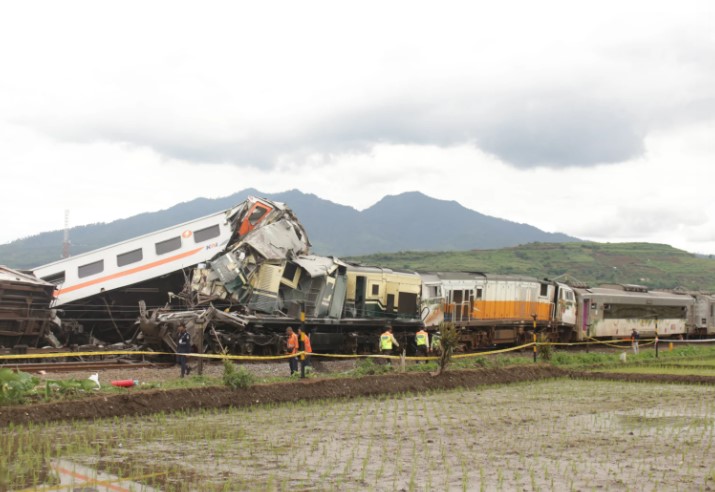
<point x="550" y="435"/>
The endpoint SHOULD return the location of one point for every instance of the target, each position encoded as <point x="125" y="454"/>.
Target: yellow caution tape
<point x="55" y="355"/>
<point x="500" y="351"/>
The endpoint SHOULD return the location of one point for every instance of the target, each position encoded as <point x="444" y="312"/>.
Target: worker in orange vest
<point x="292" y="348"/>
<point x="305" y="348"/>
<point x="422" y="343"/>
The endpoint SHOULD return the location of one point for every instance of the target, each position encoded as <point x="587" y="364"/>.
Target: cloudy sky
<point x="596" y="119"/>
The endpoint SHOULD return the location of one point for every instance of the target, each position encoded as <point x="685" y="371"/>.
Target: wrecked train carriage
<point x="102" y="289"/>
<point x="344" y="307"/>
<point x="25" y="314"/>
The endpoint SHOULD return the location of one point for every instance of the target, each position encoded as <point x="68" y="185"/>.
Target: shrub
<point x="449" y="343"/>
<point x="15" y="386"/>
<point x="546" y="350"/>
<point x="236" y="377"/>
<point x="368" y="367"/>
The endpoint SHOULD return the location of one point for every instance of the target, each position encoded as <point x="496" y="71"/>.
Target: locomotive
<point x="496" y="309"/>
<point x="240" y="277"/>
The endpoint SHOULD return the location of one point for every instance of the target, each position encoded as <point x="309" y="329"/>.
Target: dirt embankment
<point x="142" y="402"/>
<point x="151" y="401"/>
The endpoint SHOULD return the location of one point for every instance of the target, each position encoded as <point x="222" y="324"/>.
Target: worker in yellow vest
<point x="422" y="342"/>
<point x="387" y="340"/>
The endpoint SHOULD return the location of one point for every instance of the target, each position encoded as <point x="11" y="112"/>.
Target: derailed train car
<point x="102" y="289"/>
<point x="343" y="306"/>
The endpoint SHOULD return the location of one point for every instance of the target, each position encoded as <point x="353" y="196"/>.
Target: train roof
<point x="437" y="276"/>
<point x="616" y="295"/>
<point x="358" y="267"/>
<point x="8" y="274"/>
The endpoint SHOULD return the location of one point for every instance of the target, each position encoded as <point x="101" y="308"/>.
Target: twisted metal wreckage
<point x="236" y="279"/>
<point x="242" y="300"/>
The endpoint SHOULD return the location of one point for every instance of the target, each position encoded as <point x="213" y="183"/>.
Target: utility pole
<point x="66" y="242"/>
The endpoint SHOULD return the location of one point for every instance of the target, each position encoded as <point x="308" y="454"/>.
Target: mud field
<point x="465" y="430"/>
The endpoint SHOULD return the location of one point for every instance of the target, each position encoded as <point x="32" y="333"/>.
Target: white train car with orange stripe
<point x="108" y="283"/>
<point x="137" y="260"/>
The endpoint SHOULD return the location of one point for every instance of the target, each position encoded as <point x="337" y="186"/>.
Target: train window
<point x="55" y="278"/>
<point x="479" y="293"/>
<point x="129" y="257"/>
<point x="90" y="269"/>
<point x="205" y="234"/>
<point x="256" y="215"/>
<point x="169" y="245"/>
<point x="289" y="272"/>
<point x="375" y="289"/>
<point x="544" y="290"/>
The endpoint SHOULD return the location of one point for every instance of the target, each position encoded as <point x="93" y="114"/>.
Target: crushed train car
<point x="248" y="306"/>
<point x="102" y="289"/>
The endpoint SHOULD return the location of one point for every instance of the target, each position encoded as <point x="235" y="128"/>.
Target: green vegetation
<point x="449" y="342"/>
<point x="236" y="377"/>
<point x="654" y="265"/>
<point x="368" y="367"/>
<point x="15" y="386"/>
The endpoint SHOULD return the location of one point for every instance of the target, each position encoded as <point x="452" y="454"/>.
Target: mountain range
<point x="407" y="222"/>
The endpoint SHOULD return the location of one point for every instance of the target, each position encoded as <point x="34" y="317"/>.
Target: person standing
<point x="422" y="342"/>
<point x="635" y="336"/>
<point x="292" y="349"/>
<point x="436" y="347"/>
<point x="305" y="348"/>
<point x="183" y="346"/>
<point x="387" y="340"/>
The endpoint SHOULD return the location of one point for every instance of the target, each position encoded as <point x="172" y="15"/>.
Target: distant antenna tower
<point x="66" y="242"/>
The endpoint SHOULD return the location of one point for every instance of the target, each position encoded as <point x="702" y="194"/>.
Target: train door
<point x="565" y="305"/>
<point x="584" y="317"/>
<point x="461" y="301"/>
<point x="360" y="290"/>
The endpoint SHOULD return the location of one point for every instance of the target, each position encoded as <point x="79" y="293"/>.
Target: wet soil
<point x="138" y="401"/>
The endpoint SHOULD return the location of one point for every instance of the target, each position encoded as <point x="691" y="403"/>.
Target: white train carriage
<point x="701" y="315"/>
<point x="149" y="256"/>
<point x="614" y="311"/>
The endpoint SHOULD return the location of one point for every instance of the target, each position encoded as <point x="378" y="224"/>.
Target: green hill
<point x="653" y="265"/>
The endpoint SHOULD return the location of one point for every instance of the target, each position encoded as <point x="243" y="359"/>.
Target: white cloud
<point x="589" y="118"/>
